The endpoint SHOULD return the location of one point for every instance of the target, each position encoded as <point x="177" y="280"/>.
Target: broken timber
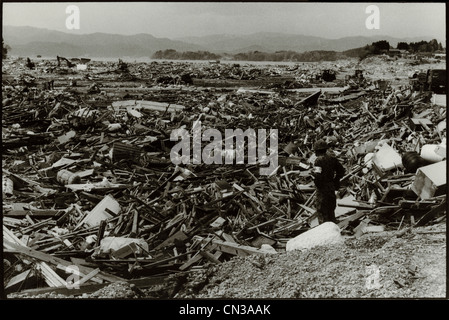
<point x="310" y="100"/>
<point x="148" y="105"/>
<point x="57" y="261"/>
<point x="230" y="247"/>
<point x="89" y="288"/>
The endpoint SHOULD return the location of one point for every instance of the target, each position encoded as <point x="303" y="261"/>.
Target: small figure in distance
<point x="327" y="172"/>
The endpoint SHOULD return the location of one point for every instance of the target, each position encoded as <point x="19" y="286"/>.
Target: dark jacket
<point x="331" y="171"/>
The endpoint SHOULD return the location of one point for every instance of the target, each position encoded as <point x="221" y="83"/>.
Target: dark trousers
<point x="326" y="202"/>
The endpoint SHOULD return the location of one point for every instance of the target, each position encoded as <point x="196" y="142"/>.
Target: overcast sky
<point x="179" y="19"/>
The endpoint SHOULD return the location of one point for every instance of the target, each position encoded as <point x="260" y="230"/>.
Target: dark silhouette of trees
<point x="374" y="48"/>
<point x="309" y="56"/>
<point x="380" y="46"/>
<point x="293" y="56"/>
<point x="402" y="46"/>
<point x="421" y="46"/>
<point x="5" y="49"/>
<point x="188" y="55"/>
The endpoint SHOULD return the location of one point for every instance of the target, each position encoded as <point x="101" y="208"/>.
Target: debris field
<point x="94" y="205"/>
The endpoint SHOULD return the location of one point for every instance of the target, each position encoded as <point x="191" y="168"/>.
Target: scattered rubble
<point x="90" y="193"/>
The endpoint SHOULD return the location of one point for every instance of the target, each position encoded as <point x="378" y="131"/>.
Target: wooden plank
<point x="30" y="220"/>
<point x="308" y="202"/>
<point x="311" y="99"/>
<point x="89" y="288"/>
<point x="163" y="261"/>
<point x="347" y="97"/>
<point x="180" y="235"/>
<point x="11" y="237"/>
<point x="50" y="276"/>
<point x="100" y="232"/>
<point x="18" y="278"/>
<point x="191" y="261"/>
<point x="33" y="213"/>
<point x="25" y="239"/>
<point x="71" y="269"/>
<point x="310" y="210"/>
<point x="230" y="247"/>
<point x="295" y="161"/>
<point x="89" y="276"/>
<point x="100" y="212"/>
<point x="217" y="254"/>
<point x="272" y="221"/>
<point x="12" y="222"/>
<point x="37" y="226"/>
<point x="125" y="251"/>
<point x="197" y="257"/>
<point x="262" y="239"/>
<point x="344" y="223"/>
<point x="51" y="248"/>
<point x="209" y="256"/>
<point x="85" y="173"/>
<point x="56" y="261"/>
<point x="431" y="214"/>
<point x="134" y="229"/>
<point x="148" y="105"/>
<point x="228" y="237"/>
<point x="239" y="188"/>
<point x="82" y="262"/>
<point x="429" y="232"/>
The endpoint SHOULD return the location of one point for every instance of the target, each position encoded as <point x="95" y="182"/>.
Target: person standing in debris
<point x="327" y="172"/>
<point x="30" y="64"/>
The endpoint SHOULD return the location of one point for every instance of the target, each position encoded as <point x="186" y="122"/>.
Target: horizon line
<point x="220" y="34"/>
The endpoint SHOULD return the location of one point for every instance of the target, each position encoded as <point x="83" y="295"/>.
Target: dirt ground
<point x="411" y="266"/>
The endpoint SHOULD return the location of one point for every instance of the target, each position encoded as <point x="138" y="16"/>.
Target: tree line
<point x="384" y="46"/>
<point x="293" y="56"/>
<point x="421" y="46"/>
<point x="5" y="49"/>
<point x="251" y="56"/>
<point x="187" y="55"/>
<point x="375" y="48"/>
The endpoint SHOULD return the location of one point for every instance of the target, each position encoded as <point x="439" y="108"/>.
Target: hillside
<point x="27" y="41"/>
<point x="30" y="41"/>
<point x="272" y="42"/>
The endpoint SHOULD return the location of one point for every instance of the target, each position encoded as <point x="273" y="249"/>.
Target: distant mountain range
<point x="30" y="41"/>
<point x="272" y="42"/>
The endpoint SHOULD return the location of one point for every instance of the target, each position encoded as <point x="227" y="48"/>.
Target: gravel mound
<point x="373" y="266"/>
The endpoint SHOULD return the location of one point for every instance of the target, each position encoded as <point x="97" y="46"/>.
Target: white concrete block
<point x="325" y="234"/>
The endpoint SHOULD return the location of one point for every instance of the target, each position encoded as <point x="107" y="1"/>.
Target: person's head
<point x="320" y="147"/>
